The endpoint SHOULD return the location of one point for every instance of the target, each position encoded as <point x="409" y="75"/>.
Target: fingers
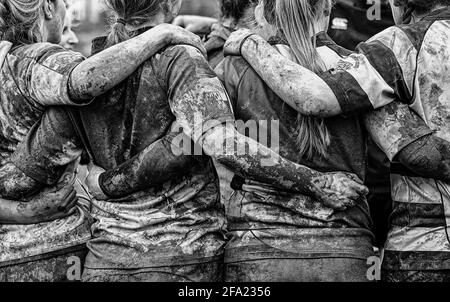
<point x="235" y="41"/>
<point x="360" y="189"/>
<point x="67" y="190"/>
<point x="354" y="177"/>
<point x="69" y="202"/>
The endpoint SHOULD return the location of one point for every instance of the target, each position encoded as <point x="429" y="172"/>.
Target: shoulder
<point x="391" y="45"/>
<point x="182" y="50"/>
<point x="39" y="52"/>
<point x="403" y="37"/>
<point x="47" y="56"/>
<point x="181" y="57"/>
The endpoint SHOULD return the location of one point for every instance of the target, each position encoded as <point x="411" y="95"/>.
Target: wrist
<point x="103" y="188"/>
<point x="97" y="189"/>
<point x="245" y="41"/>
<point x="158" y="37"/>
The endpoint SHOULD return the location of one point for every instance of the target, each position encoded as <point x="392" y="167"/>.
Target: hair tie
<point x="121" y="21"/>
<point x="408" y="14"/>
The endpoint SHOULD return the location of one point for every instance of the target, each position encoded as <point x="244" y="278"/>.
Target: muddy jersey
<point x="418" y="56"/>
<point x="182" y="221"/>
<point x="294" y="225"/>
<point x="33" y="77"/>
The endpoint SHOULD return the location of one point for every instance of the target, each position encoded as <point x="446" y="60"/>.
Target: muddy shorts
<point x="61" y="266"/>
<point x="415" y="276"/>
<point x="202" y="272"/>
<point x="295" y="255"/>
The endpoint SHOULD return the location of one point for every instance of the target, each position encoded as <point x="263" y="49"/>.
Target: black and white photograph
<point x="237" y="144"/>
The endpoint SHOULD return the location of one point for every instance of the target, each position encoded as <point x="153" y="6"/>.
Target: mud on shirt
<point x="407" y="63"/>
<point x="294" y="225"/>
<point x="33" y="77"/>
<point x="182" y="221"/>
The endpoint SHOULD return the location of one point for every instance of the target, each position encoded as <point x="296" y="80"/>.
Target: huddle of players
<point x="157" y="216"/>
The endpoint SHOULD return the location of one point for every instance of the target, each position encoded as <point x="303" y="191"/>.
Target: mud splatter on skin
<point x="14" y="184"/>
<point x="428" y="157"/>
<point x="300" y="88"/>
<point x="394" y="127"/>
<point x="336" y="190"/>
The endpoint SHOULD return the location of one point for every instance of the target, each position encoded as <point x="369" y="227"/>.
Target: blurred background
<point x="91" y="18"/>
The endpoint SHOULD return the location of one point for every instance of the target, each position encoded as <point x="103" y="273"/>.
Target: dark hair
<point x="20" y="21"/>
<point x="419" y="6"/>
<point x="236" y="8"/>
<point x="270" y="12"/>
<point x="133" y="12"/>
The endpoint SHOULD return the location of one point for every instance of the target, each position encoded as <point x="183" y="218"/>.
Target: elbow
<point x="219" y="142"/>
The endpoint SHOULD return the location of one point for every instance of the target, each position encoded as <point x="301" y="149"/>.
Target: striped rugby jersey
<point x="410" y="63"/>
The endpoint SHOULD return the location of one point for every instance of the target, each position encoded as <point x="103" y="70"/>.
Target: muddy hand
<point x="93" y="184"/>
<point x="340" y="191"/>
<point x="50" y="204"/>
<point x="176" y="35"/>
<point x="235" y="41"/>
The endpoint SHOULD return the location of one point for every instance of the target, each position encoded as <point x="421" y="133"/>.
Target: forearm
<point x="428" y="157"/>
<point x="15" y="185"/>
<point x="299" y="87"/>
<point x="14" y="212"/>
<point x="154" y="166"/>
<point x="254" y="161"/>
<point x="103" y="71"/>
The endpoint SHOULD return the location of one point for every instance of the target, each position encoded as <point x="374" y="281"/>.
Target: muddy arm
<point x="103" y="71"/>
<point x="154" y="166"/>
<point x="202" y="107"/>
<point x="53" y="144"/>
<point x="47" y="205"/>
<point x="15" y="184"/>
<point x="299" y="87"/>
<point x="366" y="80"/>
<point x="429" y="157"/>
<point x="405" y="137"/>
<point x="66" y="78"/>
<point x="336" y="190"/>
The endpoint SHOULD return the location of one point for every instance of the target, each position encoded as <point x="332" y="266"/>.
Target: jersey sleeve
<point x="197" y="97"/>
<point x="50" y="146"/>
<point x="394" y="127"/>
<point x="379" y="72"/>
<point x="49" y="77"/>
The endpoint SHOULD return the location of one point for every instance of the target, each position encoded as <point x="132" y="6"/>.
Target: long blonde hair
<point x="21" y="21"/>
<point x="295" y="21"/>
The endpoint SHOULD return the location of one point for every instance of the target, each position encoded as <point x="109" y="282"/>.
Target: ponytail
<point x="133" y="13"/>
<point x="295" y="20"/>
